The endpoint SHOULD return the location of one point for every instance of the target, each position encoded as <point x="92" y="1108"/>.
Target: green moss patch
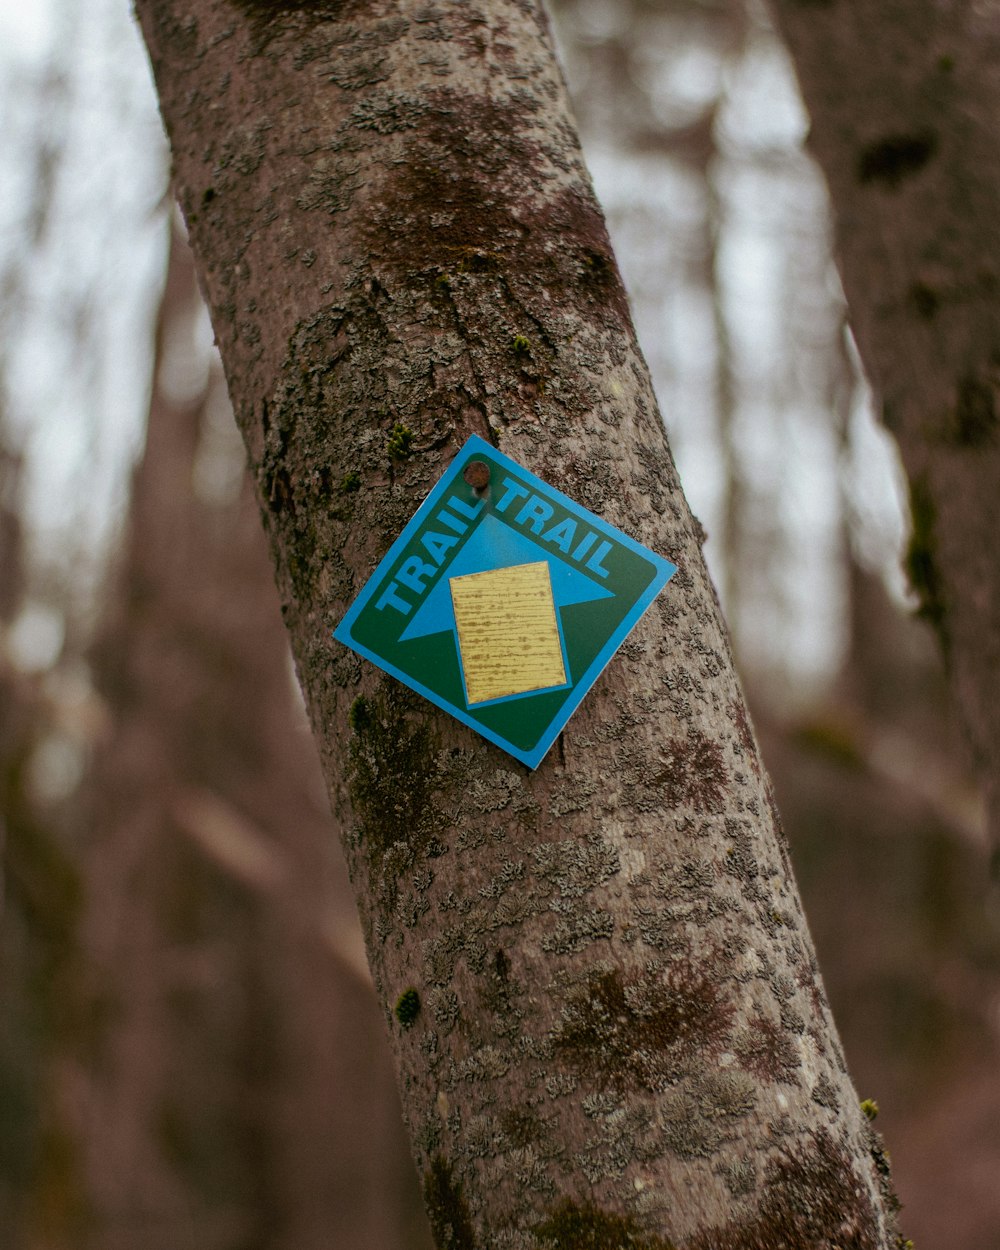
<point x="407" y="1007"/>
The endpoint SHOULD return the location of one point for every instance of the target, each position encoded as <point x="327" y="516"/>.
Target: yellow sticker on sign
<point x="508" y="634"/>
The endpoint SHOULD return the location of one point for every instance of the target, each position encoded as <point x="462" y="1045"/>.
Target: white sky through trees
<point x="82" y="247"/>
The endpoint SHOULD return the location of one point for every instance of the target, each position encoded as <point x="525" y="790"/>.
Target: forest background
<point x="189" y="1049"/>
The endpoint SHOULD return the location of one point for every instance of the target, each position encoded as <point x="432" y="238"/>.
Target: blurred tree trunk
<point x="887" y="843"/>
<point x="227" y="1080"/>
<point x="614" y="1031"/>
<point x="39" y="892"/>
<point x="904" y="101"/>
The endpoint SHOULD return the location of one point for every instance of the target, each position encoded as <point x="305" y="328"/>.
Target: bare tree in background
<point x="39" y="897"/>
<point x="614" y="1030"/>
<point x="222" y="1080"/>
<point x="903" y="101"/>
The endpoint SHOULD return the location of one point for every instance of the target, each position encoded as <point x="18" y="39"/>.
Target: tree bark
<point x="602" y="996"/>
<point x="904" y="100"/>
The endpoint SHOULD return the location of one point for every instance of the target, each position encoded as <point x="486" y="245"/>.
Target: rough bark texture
<point x="904" y="99"/>
<point x="605" y="1009"/>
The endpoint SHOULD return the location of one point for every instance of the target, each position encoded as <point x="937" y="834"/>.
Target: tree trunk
<point x="904" y="101"/>
<point x="38" y="889"/>
<point x="602" y="996"/>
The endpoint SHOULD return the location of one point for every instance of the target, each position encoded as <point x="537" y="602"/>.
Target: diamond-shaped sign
<point x="502" y="601"/>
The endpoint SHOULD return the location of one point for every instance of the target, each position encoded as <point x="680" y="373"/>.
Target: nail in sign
<point x="502" y="601"/>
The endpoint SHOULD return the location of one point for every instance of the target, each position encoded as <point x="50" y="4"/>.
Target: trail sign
<point x="502" y="601"/>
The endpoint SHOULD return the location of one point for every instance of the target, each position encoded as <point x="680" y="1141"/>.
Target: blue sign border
<point x="664" y="571"/>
